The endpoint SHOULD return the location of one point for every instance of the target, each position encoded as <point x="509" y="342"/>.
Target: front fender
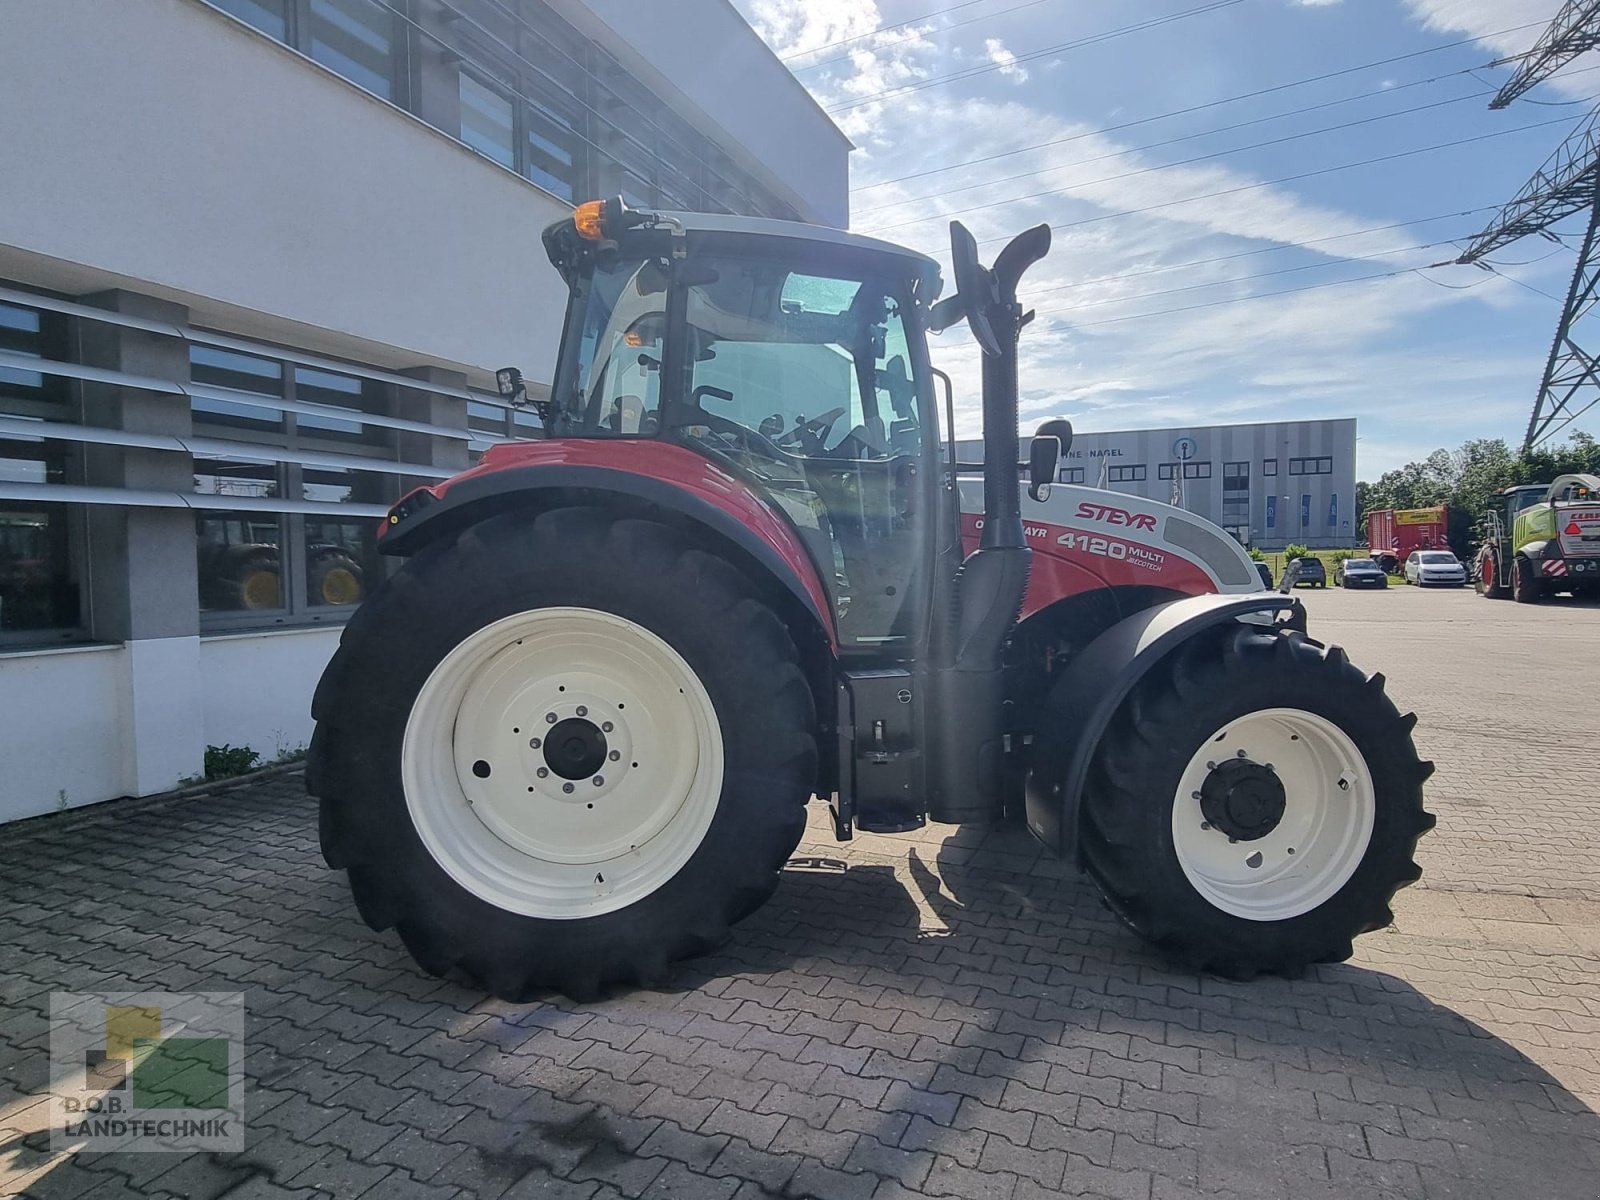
<point x="1083" y="700"/>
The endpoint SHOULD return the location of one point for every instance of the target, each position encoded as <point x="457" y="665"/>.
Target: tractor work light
<point x="589" y="218"/>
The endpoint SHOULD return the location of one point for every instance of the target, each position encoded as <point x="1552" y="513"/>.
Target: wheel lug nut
<point x="543" y="772"/>
<point x="614" y="755"/>
<point x="1211" y="766"/>
<point x="549" y="718"/>
<point x="599" y="781"/>
<point x="583" y="710"/>
<point x="535" y="743"/>
<point x="567" y="788"/>
<point x="606" y="726"/>
<point x="1242" y="754"/>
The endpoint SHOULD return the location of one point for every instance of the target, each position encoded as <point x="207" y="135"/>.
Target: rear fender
<point x="671" y="481"/>
<point x="1088" y="693"/>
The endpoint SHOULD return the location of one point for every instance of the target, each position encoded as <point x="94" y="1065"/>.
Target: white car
<point x="1435" y="566"/>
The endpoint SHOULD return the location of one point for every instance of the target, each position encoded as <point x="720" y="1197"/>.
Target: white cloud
<point x="1005" y="60"/>
<point x="1316" y="3"/>
<point x="1347" y="350"/>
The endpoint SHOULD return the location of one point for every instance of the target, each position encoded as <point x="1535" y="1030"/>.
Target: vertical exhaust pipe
<point x="968" y="694"/>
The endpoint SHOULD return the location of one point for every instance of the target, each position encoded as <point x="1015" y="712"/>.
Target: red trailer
<point x="1393" y="533"/>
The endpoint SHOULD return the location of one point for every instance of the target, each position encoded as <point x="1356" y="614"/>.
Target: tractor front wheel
<point x="1525" y="585"/>
<point x="1487" y="580"/>
<point x="1255" y="804"/>
<point x="562" y="751"/>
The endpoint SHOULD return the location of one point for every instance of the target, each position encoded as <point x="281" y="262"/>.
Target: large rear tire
<point x="1255" y="804"/>
<point x="561" y="752"/>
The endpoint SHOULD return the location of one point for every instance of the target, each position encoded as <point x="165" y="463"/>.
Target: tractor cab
<point x="797" y="365"/>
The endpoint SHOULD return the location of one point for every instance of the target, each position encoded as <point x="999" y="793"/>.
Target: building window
<point x="41" y="541"/>
<point x="241" y="373"/>
<point x="1269" y="466"/>
<point x="261" y="567"/>
<point x="1126" y="475"/>
<point x="269" y="16"/>
<point x="40" y="595"/>
<point x="1197" y="470"/>
<point x="355" y="38"/>
<point x="31" y="333"/>
<point x="1165" y="470"/>
<point x="1071" y="475"/>
<point x="1236" y="500"/>
<point x="1311" y="466"/>
<point x="487" y="121"/>
<point x="240" y="553"/>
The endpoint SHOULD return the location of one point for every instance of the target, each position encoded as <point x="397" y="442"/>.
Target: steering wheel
<point x="751" y="440"/>
<point x="810" y="435"/>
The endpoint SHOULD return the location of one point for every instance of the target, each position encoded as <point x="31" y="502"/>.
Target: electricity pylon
<point x="1567" y="183"/>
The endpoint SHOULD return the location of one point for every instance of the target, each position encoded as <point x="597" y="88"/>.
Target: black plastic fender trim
<point x="1083" y="701"/>
<point x="488" y="493"/>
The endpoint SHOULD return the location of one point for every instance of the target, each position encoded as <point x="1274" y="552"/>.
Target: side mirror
<point x="508" y="382"/>
<point x="1044" y="455"/>
<point x="1059" y="428"/>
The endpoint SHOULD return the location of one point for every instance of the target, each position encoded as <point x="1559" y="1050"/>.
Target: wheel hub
<point x="575" y="748"/>
<point x="1243" y="799"/>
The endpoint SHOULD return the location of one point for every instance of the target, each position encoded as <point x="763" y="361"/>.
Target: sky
<point x="1230" y="253"/>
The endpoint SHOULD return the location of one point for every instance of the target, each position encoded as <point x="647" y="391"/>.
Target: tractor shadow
<point x="1009" y="980"/>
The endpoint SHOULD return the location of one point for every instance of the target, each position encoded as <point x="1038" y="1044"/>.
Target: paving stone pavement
<point x="945" y="1014"/>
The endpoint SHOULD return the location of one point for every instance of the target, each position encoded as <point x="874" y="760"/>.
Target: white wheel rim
<point x="1329" y="806"/>
<point x="539" y="844"/>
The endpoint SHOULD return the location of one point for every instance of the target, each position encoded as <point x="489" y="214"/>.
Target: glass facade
<point x="513" y="80"/>
<point x="261" y="567"/>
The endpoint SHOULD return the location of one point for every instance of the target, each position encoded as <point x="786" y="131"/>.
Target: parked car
<point x="1304" y="571"/>
<point x="1435" y="566"/>
<point x="1359" y="572"/>
<point x="1266" y="575"/>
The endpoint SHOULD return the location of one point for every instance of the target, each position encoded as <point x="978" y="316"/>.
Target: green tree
<point x="1466" y="478"/>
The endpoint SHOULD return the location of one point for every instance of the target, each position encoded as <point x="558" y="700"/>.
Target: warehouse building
<point x="1267" y="484"/>
<point x="258" y="262"/>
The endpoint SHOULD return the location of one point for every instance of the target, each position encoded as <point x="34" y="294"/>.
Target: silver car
<point x="1435" y="566"/>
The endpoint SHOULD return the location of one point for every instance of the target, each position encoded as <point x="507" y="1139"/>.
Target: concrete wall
<point x="256" y="687"/>
<point x="63" y="728"/>
<point x="194" y="160"/>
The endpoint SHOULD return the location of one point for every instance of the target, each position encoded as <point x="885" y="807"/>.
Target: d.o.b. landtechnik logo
<point x="147" y="1071"/>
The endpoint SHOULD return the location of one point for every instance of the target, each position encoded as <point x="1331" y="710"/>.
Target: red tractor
<point x="573" y="738"/>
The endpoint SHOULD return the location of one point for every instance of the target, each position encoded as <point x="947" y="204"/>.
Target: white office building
<point x="258" y="262"/>
<point x="1268" y="484"/>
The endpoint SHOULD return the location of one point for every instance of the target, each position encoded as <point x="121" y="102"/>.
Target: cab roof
<point x="719" y="226"/>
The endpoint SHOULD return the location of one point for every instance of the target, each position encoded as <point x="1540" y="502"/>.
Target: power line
<point x="1194" y="108"/>
<point x="1182" y="162"/>
<point x="827" y="62"/>
<point x="1222" y="258"/>
<point x="938" y="12"/>
<point x="1310" y="287"/>
<point x="1313" y="266"/>
<point x="1250" y="187"/>
<point x="1188" y="137"/>
<point x="1221" y="129"/>
<point x="1078" y="43"/>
